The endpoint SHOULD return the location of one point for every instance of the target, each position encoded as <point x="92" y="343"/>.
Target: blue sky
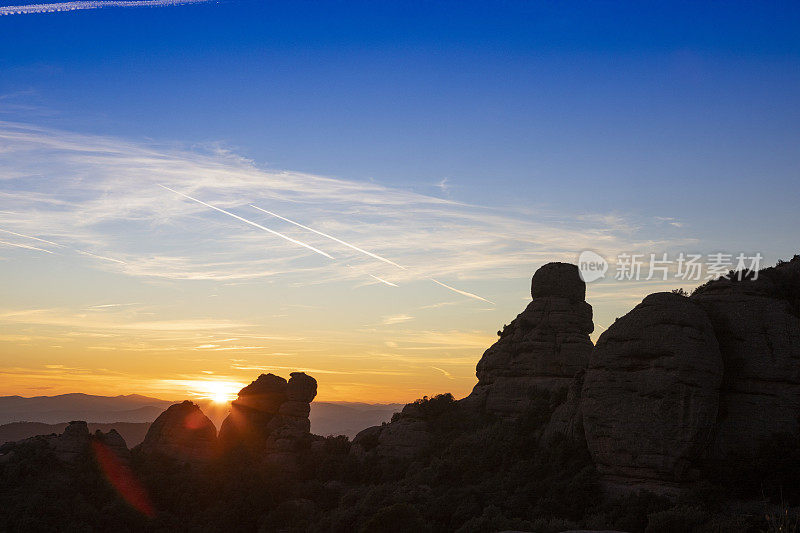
<point x="631" y="95"/>
<point x="559" y="126"/>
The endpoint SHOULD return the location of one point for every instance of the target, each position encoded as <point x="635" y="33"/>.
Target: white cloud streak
<point x="25" y="246"/>
<point x="331" y="237"/>
<point x="465" y="293"/>
<point x="259" y="226"/>
<point x="84" y="5"/>
<point x="83" y="252"/>
<point x="29" y="237"/>
<point x="370" y="254"/>
<point x="101" y="193"/>
<point x="382" y="280"/>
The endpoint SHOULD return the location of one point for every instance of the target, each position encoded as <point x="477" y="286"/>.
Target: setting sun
<point x="217" y="391"/>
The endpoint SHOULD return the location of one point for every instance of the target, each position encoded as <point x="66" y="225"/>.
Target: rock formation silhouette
<point x="757" y="325"/>
<point x="676" y="383"/>
<point x="650" y="394"/>
<point x="74" y="444"/>
<point x="270" y="417"/>
<point x="182" y="432"/>
<point x="543" y="348"/>
<point x="679" y="381"/>
<point x="404" y="437"/>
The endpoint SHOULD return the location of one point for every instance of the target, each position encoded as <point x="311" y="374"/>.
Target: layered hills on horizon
<point x="132" y="414"/>
<point x="79" y="406"/>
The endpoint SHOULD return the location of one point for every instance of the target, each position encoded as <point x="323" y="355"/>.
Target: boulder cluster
<point x="683" y="381"/>
<point x="269" y="418"/>
<point x="677" y="383"/>
<point x="406" y="436"/>
<point x="75" y="444"/>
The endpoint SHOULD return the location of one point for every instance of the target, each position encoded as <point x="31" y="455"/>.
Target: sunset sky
<point x="436" y="153"/>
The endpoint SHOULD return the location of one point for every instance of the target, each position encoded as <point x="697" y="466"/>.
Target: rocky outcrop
<point x="270" y="417"/>
<point x="405" y="436"/>
<point x="711" y="378"/>
<point x="182" y="432"/>
<point x="757" y="325"/>
<point x="541" y="351"/>
<point x="543" y="348"/>
<point x="113" y="442"/>
<point x="567" y="418"/>
<point x="650" y="394"/>
<point x="74" y="444"/>
<point x="248" y="424"/>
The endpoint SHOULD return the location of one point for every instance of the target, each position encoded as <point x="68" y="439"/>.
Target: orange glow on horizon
<point x="220" y="392"/>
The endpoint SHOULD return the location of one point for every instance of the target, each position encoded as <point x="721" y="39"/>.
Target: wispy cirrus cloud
<point x="59" y="7"/>
<point x="101" y="196"/>
<point x="396" y="319"/>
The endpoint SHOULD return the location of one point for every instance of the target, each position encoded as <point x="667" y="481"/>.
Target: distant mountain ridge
<point x="342" y="418"/>
<point x="79" y="406"/>
<point x="327" y="418"/>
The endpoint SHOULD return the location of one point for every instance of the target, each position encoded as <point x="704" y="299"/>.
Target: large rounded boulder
<point x="651" y="391"/>
<point x="757" y="324"/>
<point x="182" y="432"/>
<point x="562" y="280"/>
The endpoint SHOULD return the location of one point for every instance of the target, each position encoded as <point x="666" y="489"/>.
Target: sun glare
<point x="219" y="391"/>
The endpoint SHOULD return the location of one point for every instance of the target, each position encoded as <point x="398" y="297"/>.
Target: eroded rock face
<point x="270" y="417"/>
<point x="651" y="391"/>
<point x="252" y="412"/>
<point x="182" y="432"/>
<point x="406" y="436"/>
<point x="567" y="418"/>
<point x="562" y="280"/>
<point x="114" y="443"/>
<point x="543" y="348"/>
<point x="301" y="387"/>
<point x="757" y="324"/>
<point x="73" y="443"/>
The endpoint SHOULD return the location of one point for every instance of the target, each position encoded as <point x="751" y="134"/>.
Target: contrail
<point x="101" y="257"/>
<point x="447" y="374"/>
<point x="54" y="244"/>
<point x="376" y="256"/>
<point x="90" y="4"/>
<point x="376" y="277"/>
<point x="465" y="293"/>
<point x="353" y="246"/>
<point x="382" y="280"/>
<point x="259" y="226"/>
<point x="26" y="247"/>
<point x="29" y="237"/>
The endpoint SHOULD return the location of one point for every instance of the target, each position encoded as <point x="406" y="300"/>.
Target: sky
<point x="423" y="159"/>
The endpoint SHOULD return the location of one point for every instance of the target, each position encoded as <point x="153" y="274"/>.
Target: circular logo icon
<point x="592" y="266"/>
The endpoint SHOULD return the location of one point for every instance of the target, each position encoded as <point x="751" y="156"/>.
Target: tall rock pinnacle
<point x="543" y="348"/>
